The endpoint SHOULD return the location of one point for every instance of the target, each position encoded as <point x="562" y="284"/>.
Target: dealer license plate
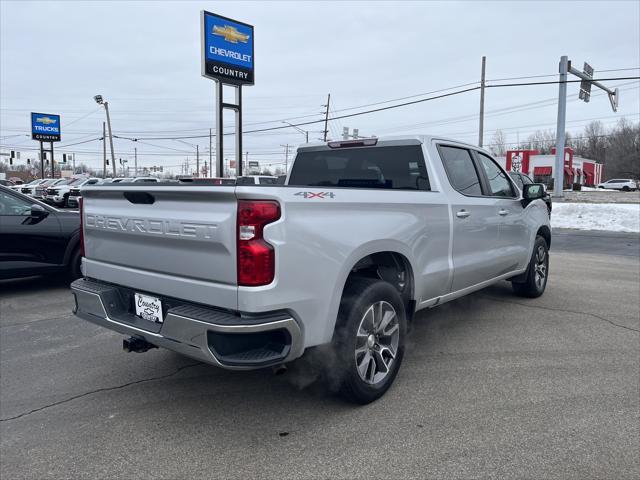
<point x="148" y="308"/>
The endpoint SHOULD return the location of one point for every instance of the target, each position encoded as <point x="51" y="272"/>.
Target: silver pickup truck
<point x="338" y="260"/>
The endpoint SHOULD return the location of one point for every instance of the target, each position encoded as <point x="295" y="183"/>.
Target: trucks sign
<point x="45" y="127"/>
<point x="227" y="49"/>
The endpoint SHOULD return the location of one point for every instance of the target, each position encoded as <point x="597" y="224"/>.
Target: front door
<point x="475" y="226"/>
<point x="27" y="242"/>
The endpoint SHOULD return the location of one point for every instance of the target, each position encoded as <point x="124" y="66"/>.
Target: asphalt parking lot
<point x="492" y="386"/>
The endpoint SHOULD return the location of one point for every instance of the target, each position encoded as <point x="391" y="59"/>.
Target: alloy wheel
<point x="377" y="342"/>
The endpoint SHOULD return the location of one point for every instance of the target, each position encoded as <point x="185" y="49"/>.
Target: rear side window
<point x="499" y="184"/>
<point x="245" y="181"/>
<point x="391" y="168"/>
<point x="460" y="170"/>
<point x="267" y="181"/>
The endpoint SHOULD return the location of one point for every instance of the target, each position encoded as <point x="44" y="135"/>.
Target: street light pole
<point x="100" y="101"/>
<point x="104" y="150"/>
<point x="113" y="158"/>
<point x="305" y="132"/>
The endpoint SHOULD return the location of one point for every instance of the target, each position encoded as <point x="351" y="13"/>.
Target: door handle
<point x="503" y="212"/>
<point x="462" y="214"/>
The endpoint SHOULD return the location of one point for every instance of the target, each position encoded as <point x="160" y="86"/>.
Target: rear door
<point x="475" y="246"/>
<point x="174" y="240"/>
<point x="508" y="213"/>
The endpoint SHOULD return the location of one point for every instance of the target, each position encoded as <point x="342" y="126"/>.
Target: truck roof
<point x="389" y="141"/>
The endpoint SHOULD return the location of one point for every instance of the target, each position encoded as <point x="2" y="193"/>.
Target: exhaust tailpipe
<point x="279" y="370"/>
<point x="136" y="344"/>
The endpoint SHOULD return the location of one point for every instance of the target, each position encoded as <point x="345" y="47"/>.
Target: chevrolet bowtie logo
<point x="45" y="120"/>
<point x="230" y="34"/>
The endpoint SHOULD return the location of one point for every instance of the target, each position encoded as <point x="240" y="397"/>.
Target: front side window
<point x="499" y="184"/>
<point x="267" y="181"/>
<point x="390" y="168"/>
<point x="460" y="170"/>
<point x="526" y="180"/>
<point x="518" y="179"/>
<point x="13" y="206"/>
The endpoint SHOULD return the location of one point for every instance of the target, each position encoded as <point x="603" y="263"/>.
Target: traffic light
<point x="64" y="158"/>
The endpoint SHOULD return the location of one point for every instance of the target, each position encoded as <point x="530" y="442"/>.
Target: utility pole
<point x="197" y="161"/>
<point x="585" y="94"/>
<point x="286" y="156"/>
<point x="135" y="160"/>
<point x="558" y="169"/>
<point x="210" y="155"/>
<point x="246" y="162"/>
<point x="104" y="150"/>
<point x="482" y="82"/>
<point x="326" y="116"/>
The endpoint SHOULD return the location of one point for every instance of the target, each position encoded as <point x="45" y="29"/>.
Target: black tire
<point x="74" y="265"/>
<point x="626" y="189"/>
<point x="354" y="317"/>
<point x="537" y="273"/>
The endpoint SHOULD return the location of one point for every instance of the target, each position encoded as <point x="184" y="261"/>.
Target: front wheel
<point x="538" y="272"/>
<point x="369" y="339"/>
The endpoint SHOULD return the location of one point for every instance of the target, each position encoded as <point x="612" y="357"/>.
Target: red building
<point x="540" y="168"/>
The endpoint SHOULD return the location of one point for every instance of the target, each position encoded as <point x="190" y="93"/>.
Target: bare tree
<point x="542" y="140"/>
<point x="498" y="144"/>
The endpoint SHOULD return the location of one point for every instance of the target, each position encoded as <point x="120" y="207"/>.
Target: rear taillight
<point x="256" y="257"/>
<point x="81" y="227"/>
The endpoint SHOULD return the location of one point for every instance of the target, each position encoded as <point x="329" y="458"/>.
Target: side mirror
<point x="533" y="191"/>
<point x="38" y="211"/>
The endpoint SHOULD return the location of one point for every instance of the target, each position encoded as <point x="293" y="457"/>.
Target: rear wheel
<point x="625" y="189"/>
<point x="74" y="265"/>
<point x="369" y="339"/>
<point x="538" y="272"/>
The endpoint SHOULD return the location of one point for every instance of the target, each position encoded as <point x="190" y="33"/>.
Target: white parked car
<point x="38" y="188"/>
<point x="134" y="180"/>
<point x="257" y="180"/>
<point x="625" y="184"/>
<point x="57" y="195"/>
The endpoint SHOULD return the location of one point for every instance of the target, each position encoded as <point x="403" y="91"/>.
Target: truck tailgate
<point x="177" y="241"/>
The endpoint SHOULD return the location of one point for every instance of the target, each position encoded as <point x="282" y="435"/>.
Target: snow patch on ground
<point x="594" y="189"/>
<point x="615" y="217"/>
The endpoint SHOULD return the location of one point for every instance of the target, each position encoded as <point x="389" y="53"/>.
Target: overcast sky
<point x="144" y="58"/>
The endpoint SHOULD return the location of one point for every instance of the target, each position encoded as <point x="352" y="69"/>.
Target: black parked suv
<point x="523" y="179"/>
<point x="36" y="239"/>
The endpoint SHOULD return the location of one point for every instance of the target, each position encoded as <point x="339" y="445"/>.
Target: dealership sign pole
<point x="227" y="58"/>
<point x="45" y="127"/>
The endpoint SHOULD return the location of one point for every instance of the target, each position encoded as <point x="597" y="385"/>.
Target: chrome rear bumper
<point x="228" y="340"/>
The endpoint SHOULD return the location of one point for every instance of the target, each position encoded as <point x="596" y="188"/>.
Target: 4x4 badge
<point x="316" y="194"/>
